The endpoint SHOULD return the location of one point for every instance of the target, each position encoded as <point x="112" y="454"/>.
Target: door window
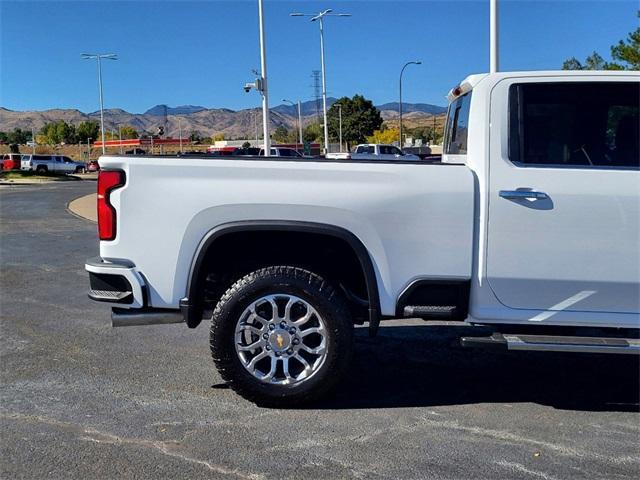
<point x="579" y="124"/>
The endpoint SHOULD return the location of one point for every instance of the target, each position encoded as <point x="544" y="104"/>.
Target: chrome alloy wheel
<point x="281" y="339"/>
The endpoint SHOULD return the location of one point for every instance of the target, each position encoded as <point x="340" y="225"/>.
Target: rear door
<point x="563" y="223"/>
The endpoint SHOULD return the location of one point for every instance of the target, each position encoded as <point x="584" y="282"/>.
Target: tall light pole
<point x="493" y="36"/>
<point x="99" y="57"/>
<point x="299" y="117"/>
<point x="180" y="133"/>
<point x="320" y="17"/>
<point x="264" y="90"/>
<point x="416" y="62"/>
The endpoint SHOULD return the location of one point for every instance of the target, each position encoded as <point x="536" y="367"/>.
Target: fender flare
<point x="191" y="308"/>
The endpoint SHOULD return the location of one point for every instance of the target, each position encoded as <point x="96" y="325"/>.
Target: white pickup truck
<point x="374" y="151"/>
<point x="530" y="225"/>
<point x="51" y="164"/>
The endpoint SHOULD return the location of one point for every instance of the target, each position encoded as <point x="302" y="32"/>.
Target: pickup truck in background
<point x="529" y="226"/>
<point x="374" y="151"/>
<point x="51" y="164"/>
<point x="282" y="152"/>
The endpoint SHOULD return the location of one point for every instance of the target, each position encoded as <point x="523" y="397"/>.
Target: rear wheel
<point x="281" y="336"/>
<point x="41" y="169"/>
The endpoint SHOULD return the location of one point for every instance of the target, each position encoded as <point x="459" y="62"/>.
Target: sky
<point x="202" y="53"/>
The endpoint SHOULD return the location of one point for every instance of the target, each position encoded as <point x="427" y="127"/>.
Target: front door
<point x="564" y="205"/>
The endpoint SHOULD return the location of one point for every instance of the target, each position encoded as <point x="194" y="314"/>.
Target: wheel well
<point x="334" y="254"/>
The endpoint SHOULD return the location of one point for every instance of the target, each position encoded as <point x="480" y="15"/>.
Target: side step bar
<point x="429" y="312"/>
<point x="548" y="343"/>
<point x="122" y="317"/>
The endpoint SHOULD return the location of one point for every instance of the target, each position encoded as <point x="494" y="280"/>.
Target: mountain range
<point x="205" y="121"/>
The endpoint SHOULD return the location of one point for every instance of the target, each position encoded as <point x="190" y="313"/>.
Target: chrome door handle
<point x="530" y="194"/>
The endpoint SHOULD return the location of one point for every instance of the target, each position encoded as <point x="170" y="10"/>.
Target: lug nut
<point x="283" y="324"/>
<point x="290" y="352"/>
<point x="292" y="330"/>
<point x="296" y="341"/>
<point x="267" y="347"/>
<point x="272" y="326"/>
<point x="265" y="336"/>
<point x="278" y="354"/>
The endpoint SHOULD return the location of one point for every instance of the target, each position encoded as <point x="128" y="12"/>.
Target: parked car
<point x="93" y="166"/>
<point x="282" y="152"/>
<point x="11" y="161"/>
<point x="51" y="164"/>
<point x="528" y="227"/>
<point x="374" y="151"/>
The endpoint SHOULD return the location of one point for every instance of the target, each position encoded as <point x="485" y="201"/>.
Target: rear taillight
<point x="108" y="181"/>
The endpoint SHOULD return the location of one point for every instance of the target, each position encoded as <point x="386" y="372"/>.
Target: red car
<point x="93" y="166"/>
<point x="11" y="161"/>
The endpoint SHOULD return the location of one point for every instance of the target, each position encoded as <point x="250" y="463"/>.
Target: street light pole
<point x="300" y="123"/>
<point x="324" y="89"/>
<point x="493" y="36"/>
<point x="265" y="95"/>
<point x="320" y="16"/>
<point x="416" y="62"/>
<point x="99" y="57"/>
<point x="180" y="133"/>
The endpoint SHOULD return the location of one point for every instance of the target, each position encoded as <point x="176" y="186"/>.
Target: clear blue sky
<point x="202" y="53"/>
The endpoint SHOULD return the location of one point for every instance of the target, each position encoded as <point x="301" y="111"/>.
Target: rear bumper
<point x="116" y="282"/>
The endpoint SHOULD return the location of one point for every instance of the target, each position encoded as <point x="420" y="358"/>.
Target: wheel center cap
<point x="280" y="340"/>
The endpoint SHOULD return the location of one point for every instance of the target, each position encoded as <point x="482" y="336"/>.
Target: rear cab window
<point x="457" y="127"/>
<point x="574" y="124"/>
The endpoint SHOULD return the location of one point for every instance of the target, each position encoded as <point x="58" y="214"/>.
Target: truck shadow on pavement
<point x="417" y="366"/>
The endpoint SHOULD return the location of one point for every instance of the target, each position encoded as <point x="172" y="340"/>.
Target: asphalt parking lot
<point x="82" y="400"/>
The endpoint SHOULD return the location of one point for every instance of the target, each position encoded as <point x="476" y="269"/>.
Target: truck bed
<point x="414" y="218"/>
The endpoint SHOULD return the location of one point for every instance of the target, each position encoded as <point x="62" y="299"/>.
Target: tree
<point x="246" y="145"/>
<point x="281" y="135"/>
<point x="312" y="133"/>
<point x="218" y="137"/>
<point x="626" y="56"/>
<point x="128" y="132"/>
<point x="18" y="136"/>
<point x="385" y="135"/>
<point x="359" y="119"/>
<point x="88" y="131"/>
<point x="59" y="132"/>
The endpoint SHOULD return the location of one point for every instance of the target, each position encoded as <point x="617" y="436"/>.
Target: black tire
<point x="79" y="170"/>
<point x="41" y="169"/>
<point x="324" y="298"/>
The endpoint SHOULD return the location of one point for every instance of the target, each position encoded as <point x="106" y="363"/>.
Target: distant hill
<point x="412" y="107"/>
<point x="159" y="110"/>
<point x="205" y="121"/>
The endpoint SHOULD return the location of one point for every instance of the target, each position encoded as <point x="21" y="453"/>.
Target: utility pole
<point x="33" y="141"/>
<point x="120" y="137"/>
<point x="180" y="133"/>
